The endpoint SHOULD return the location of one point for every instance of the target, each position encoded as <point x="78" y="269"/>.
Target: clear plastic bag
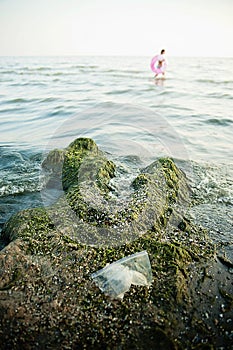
<point x="115" y="279"/>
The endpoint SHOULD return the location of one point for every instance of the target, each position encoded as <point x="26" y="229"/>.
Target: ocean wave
<point x="84" y="66"/>
<point x="48" y="99"/>
<point x="11" y="110"/>
<point x="215" y="81"/>
<point x="18" y="188"/>
<point x="35" y="83"/>
<point x="8" y="71"/>
<point x="19" y="171"/>
<point x="212" y="207"/>
<point x="118" y="92"/>
<point x="34" y="69"/>
<point x="213" y="183"/>
<point x="18" y="100"/>
<point x="217" y="95"/>
<point x="222" y="122"/>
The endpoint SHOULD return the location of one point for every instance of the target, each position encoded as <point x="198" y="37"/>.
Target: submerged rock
<point x="47" y="296"/>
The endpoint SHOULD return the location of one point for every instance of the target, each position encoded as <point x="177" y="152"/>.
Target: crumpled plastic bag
<point x="115" y="279"/>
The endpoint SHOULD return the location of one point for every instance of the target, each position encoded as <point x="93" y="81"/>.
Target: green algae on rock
<point x="104" y="220"/>
<point x="47" y="296"/>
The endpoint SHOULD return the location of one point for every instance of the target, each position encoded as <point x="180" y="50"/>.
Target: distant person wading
<point x="159" y="64"/>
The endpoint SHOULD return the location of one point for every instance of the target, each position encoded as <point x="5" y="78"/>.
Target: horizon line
<point x="110" y="55"/>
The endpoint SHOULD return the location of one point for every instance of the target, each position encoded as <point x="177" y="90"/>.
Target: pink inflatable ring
<point x="154" y="65"/>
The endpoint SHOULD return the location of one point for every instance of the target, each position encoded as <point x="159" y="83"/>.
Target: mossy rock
<point x="55" y="250"/>
<point x="88" y="215"/>
<point x="77" y="151"/>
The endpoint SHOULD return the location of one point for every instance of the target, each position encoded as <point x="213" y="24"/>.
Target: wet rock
<point x="47" y="296"/>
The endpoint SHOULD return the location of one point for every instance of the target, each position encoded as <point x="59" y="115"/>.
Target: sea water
<point x="47" y="102"/>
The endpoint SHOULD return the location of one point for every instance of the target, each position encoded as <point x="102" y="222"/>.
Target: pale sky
<point x="116" y="27"/>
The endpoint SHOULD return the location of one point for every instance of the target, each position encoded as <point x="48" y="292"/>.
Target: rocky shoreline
<point x="48" y="299"/>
